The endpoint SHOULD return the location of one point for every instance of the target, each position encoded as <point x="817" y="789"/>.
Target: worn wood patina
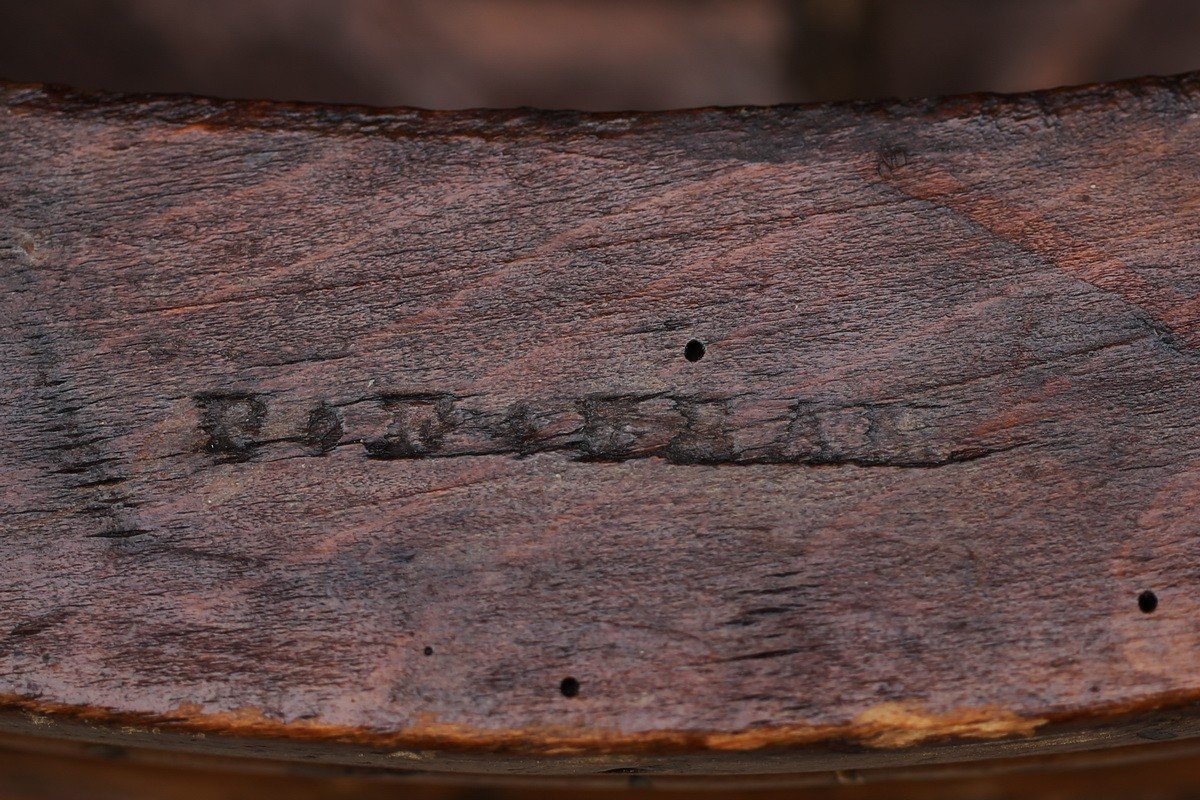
<point x="758" y="439"/>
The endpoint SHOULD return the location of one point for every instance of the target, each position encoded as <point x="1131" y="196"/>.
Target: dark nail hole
<point x="1147" y="601"/>
<point x="693" y="350"/>
<point x="569" y="687"/>
<point x="428" y="651"/>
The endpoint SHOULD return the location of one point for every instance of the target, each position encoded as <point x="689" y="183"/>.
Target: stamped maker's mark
<point x="239" y="426"/>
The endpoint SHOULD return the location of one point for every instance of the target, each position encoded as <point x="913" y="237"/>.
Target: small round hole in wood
<point x="1147" y="601"/>
<point x="694" y="350"/>
<point x="569" y="687"/>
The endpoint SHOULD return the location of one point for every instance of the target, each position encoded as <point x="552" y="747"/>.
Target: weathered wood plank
<point x="348" y="425"/>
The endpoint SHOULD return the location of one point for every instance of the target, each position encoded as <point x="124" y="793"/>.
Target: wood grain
<point x="366" y="432"/>
<point x="44" y="769"/>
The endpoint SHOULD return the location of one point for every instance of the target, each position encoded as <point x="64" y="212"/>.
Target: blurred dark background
<point x="591" y="54"/>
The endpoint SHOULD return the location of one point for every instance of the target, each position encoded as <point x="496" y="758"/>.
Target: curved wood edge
<point x="907" y="745"/>
<point x="1048" y="772"/>
<point x="492" y="123"/>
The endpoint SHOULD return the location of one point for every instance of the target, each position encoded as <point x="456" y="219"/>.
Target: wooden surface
<point x="39" y="769"/>
<point x="369" y="436"/>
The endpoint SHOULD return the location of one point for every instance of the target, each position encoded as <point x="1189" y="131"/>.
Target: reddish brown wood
<point x="353" y="434"/>
<point x="32" y="768"/>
